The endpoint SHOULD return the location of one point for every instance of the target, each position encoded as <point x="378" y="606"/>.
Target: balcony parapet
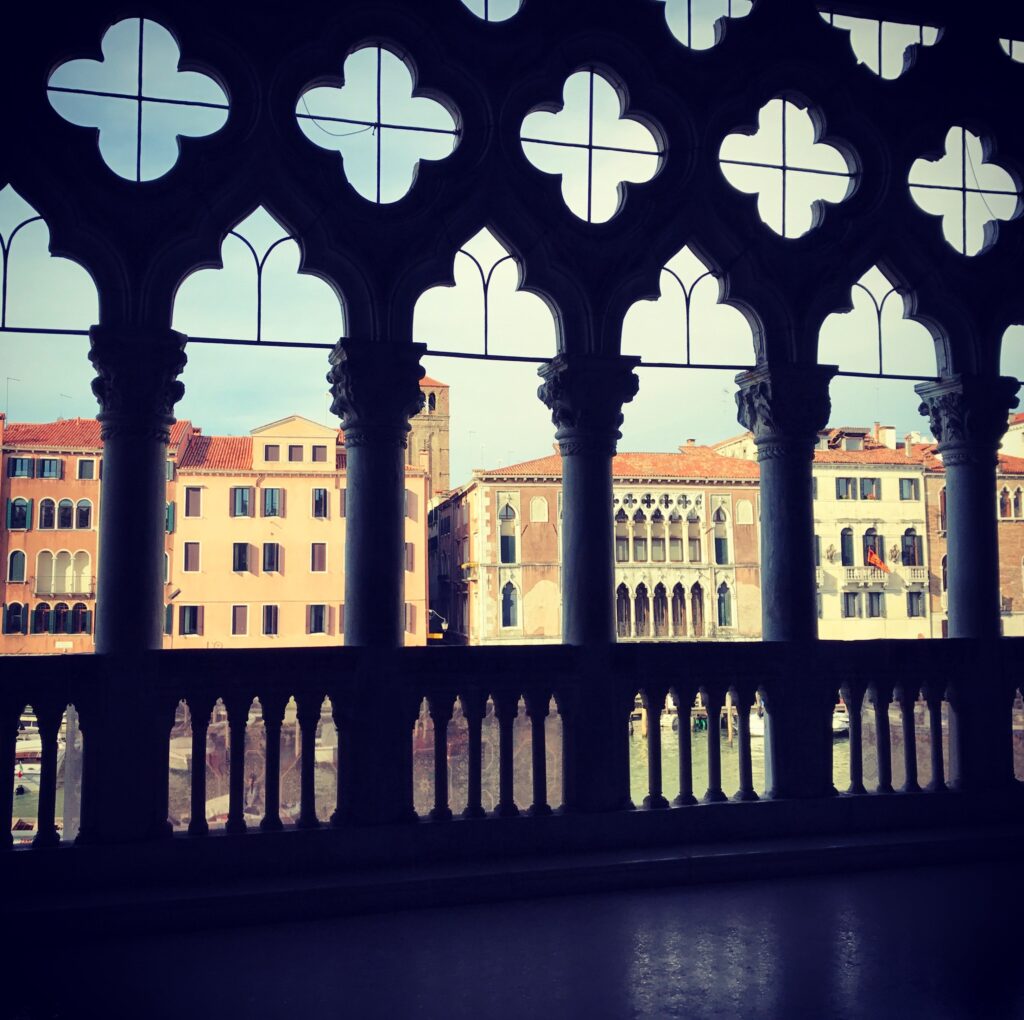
<point x="865" y="576"/>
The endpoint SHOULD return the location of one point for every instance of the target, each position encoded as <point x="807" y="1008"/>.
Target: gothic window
<point x="621" y="537"/>
<point x="509" y="606"/>
<point x="660" y="611"/>
<point x="639" y="537"/>
<point x="721" y="537"/>
<point x="643" y="612"/>
<point x="507" y="533"/>
<point x="83" y="514"/>
<point x="846" y="547"/>
<point x="1018" y="502"/>
<point x="887" y="48"/>
<point x="431" y="403"/>
<point x="622" y="611"/>
<point x="675" y="538"/>
<point x="679" y="611"/>
<point x="16" y="567"/>
<point x="912" y="548"/>
<point x="693" y="538"/>
<point x="47" y="513"/>
<point x="697" y="609"/>
<point x="657" y="537"/>
<point x="724" y="605"/>
<point x="1004" y="503"/>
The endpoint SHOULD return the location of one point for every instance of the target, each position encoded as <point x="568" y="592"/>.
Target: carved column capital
<point x="137" y="380"/>
<point x="585" y="393"/>
<point x="376" y="390"/>
<point x="968" y="415"/>
<point x="784" y="406"/>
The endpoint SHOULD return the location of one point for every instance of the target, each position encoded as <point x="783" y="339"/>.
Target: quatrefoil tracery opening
<point x="138" y="99"/>
<point x="887" y="48"/>
<point x="792" y="172"/>
<point x="378" y="124"/>
<point x="494" y="10"/>
<point x="700" y="24"/>
<point x="591" y="143"/>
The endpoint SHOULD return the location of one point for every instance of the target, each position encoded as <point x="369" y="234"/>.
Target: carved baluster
<point x="853" y="696"/>
<point x="907" y="695"/>
<point x="684" y="707"/>
<point x="537" y="706"/>
<point x="474" y="705"/>
<point x="506" y="707"/>
<point x="238" y="719"/>
<point x="441" y="705"/>
<point x="879" y="697"/>
<point x="309" y="706"/>
<point x="200" y="709"/>
<point x="713" y="703"/>
<point x="273" y="716"/>
<point x="48" y="718"/>
<point x="344" y="761"/>
<point x="653" y="699"/>
<point x="933" y="693"/>
<point x="743" y="699"/>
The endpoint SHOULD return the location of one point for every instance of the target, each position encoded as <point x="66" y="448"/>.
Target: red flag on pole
<point x="874" y="560"/>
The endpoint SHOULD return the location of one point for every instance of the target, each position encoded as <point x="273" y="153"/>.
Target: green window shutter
<point x="169" y="522"/>
<point x="51" y="621"/>
<point x="31" y="468"/>
<point x="68" y="621"/>
<point x="87" y="622"/>
<point x="168" y="618"/>
<point x="31" y="511"/>
<point x="4" y="623"/>
<point x="9" y="513"/>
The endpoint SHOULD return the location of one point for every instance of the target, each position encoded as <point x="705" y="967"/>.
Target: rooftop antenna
<point x="66" y="396"/>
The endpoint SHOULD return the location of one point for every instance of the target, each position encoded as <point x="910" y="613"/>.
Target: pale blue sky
<point x="497" y="418"/>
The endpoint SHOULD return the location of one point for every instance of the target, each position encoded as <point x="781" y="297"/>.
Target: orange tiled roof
<point x="429" y="381"/>
<point x="874" y="455"/>
<point x="70" y="433"/>
<point x="218" y="453"/>
<point x="1011" y="465"/>
<point x="692" y="463"/>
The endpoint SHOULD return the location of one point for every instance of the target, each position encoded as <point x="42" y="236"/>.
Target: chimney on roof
<point x="691" y="442"/>
<point x="886" y="435"/>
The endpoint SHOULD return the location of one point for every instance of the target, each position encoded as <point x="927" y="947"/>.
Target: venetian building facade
<point x="429" y="443"/>
<point x="685" y="539"/>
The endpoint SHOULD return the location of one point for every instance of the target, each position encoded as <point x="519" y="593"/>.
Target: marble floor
<point x="936" y="942"/>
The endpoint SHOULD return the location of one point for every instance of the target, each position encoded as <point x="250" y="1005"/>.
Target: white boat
<point x="756" y="724"/>
<point x="840" y="722"/>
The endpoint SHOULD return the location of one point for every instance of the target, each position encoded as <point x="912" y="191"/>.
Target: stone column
<point x="968" y="416"/>
<point x="137" y="387"/>
<point x="376" y="391"/>
<point x="785" y="406"/>
<point x="586" y="394"/>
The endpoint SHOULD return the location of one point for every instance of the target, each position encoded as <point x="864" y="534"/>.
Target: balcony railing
<point x="916" y="575"/>
<point x="865" y="575"/>
<point x="73" y="588"/>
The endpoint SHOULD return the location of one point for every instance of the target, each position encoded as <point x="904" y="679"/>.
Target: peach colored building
<point x="686" y="550"/>
<point x="255" y="537"/>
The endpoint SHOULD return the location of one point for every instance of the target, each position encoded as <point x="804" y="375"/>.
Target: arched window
<point x="744" y="512"/>
<point x="81" y="573"/>
<point x="679" y="611"/>
<point x="44" y="573"/>
<point x="1018" y="502"/>
<point x="431" y="403"/>
<point x="643" y="611"/>
<point x="942" y="508"/>
<point x="65" y="514"/>
<point x="15" y="618"/>
<point x="62" y="573"/>
<point x="47" y="513"/>
<point x="945" y="575"/>
<point x="639" y="539"/>
<point x="693" y="538"/>
<point x="657" y="537"/>
<point x="1004" y="503"/>
<point x="509" y="606"/>
<point x="622" y="615"/>
<point x="724" y="605"/>
<point x="846" y="546"/>
<point x="675" y="538"/>
<point x="80" y="619"/>
<point x="83" y="514"/>
<point x="721" y="537"/>
<point x="16" y="567"/>
<point x="19" y="514"/>
<point x="912" y="549"/>
<point x="621" y="537"/>
<point x="660" y="611"/>
<point x="507" y="533"/>
<point x="873" y="542"/>
<point x="41" y="618"/>
<point x="538" y="510"/>
<point x="697" y="610"/>
<point x="61" y="619"/>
